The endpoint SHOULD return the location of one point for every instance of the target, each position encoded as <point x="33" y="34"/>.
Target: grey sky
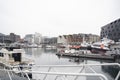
<point x="56" y="17"/>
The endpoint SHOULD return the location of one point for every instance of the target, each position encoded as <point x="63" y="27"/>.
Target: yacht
<point x="13" y="56"/>
<point x="101" y="46"/>
<point x="2" y="45"/>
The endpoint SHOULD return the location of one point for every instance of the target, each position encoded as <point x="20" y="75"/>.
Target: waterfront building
<point x="11" y="38"/>
<point x="53" y="40"/>
<point x="29" y="38"/>
<point x="37" y="38"/>
<point x="111" y="30"/>
<point x="61" y="40"/>
<point x="76" y="39"/>
<point x="14" y="37"/>
<point x="34" y="38"/>
<point x="50" y="41"/>
<point x="93" y="38"/>
<point x="2" y="36"/>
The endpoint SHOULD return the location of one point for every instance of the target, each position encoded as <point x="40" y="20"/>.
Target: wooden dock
<point x="93" y="56"/>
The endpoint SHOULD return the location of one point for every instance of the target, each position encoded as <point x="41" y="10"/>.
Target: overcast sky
<point x="56" y="17"/>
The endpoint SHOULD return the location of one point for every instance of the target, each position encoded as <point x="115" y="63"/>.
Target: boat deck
<point x="9" y="75"/>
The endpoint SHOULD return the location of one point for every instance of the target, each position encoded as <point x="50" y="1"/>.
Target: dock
<point x="93" y="56"/>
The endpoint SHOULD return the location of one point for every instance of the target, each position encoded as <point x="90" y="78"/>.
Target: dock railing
<point x="46" y="70"/>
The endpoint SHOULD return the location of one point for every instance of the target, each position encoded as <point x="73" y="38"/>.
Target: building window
<point x="111" y="26"/>
<point x="102" y="28"/>
<point x="115" y="21"/>
<point x="113" y="30"/>
<point x="114" y="34"/>
<point x="119" y="34"/>
<point x="119" y="20"/>
<point x="117" y="29"/>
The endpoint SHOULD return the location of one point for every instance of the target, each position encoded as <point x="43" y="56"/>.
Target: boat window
<point x="17" y="56"/>
<point x="1" y="55"/>
<point x="96" y="45"/>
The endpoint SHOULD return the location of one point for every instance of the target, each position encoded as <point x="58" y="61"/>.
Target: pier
<point x="93" y="56"/>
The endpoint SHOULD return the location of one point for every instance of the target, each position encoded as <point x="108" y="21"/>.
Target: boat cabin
<point x="11" y="55"/>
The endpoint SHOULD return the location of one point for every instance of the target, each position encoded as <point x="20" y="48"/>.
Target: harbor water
<point x="43" y="56"/>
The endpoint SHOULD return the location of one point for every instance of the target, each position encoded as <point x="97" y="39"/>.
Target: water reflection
<point x="43" y="56"/>
<point x="48" y="50"/>
<point x="76" y="60"/>
<point x="34" y="52"/>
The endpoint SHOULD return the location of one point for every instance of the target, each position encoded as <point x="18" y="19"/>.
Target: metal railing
<point x="54" y="70"/>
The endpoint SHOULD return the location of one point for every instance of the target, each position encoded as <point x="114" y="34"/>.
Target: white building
<point x="29" y="38"/>
<point x="37" y="38"/>
<point x="62" y="40"/>
<point x="33" y="38"/>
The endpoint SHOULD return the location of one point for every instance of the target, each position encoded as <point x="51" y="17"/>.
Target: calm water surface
<point x="43" y="56"/>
